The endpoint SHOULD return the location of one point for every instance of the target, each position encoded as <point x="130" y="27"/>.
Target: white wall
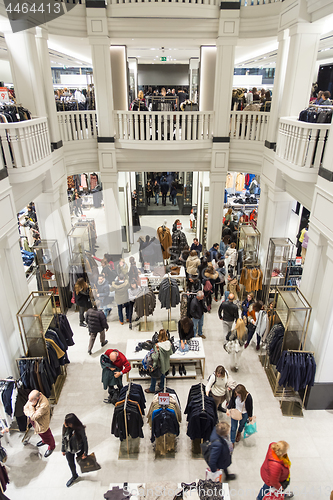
<point x="5" y="72"/>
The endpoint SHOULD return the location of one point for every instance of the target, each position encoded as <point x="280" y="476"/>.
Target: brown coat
<point x="165" y="238"/>
<point x="40" y="414"/>
<point x="192" y="264"/>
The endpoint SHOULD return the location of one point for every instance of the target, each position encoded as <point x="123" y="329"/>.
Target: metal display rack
<point x="280" y="251"/>
<point x="249" y="241"/>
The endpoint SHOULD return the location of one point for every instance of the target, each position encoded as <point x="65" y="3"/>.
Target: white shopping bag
<point x="214" y="476"/>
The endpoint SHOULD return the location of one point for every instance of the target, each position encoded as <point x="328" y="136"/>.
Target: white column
<point x="314" y="260"/>
<point x="45" y="63"/>
<point x="225" y="62"/>
<point x="112" y="214"/>
<point x="207" y="77"/>
<point x="26" y="71"/>
<point x="279" y="79"/>
<point x="302" y="56"/>
<point x="218" y="175"/>
<point x="119" y="77"/>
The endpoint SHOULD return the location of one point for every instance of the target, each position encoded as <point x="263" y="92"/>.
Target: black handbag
<point x="88" y="464"/>
<point x="285" y="484"/>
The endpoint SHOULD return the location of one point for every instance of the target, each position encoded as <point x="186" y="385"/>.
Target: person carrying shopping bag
<point x="240" y="409"/>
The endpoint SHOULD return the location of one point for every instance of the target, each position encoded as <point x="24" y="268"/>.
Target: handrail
<point x="163" y="125"/>
<point x="300" y="143"/>
<point x="24" y="144"/>
<point x="249" y="125"/>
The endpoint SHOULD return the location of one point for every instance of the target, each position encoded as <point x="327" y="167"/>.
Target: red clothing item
<point x="111" y="264"/>
<point x="121" y="361"/>
<point x="273" y="471"/>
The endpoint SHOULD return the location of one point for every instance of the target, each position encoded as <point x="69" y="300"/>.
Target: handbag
<point x="236" y="414"/>
<point x="88" y="464"/>
<point x="250" y="428"/>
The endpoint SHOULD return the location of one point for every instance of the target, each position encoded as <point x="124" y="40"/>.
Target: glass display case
<point x="78" y="240"/>
<point x="249" y="241"/>
<point x="34" y="318"/>
<point x="49" y="273"/>
<point x="280" y="251"/>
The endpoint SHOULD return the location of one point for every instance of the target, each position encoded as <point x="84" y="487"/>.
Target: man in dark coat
<point x="220" y="450"/>
<point x="164" y="190"/>
<point x="197" y="309"/>
<point x="97" y="323"/>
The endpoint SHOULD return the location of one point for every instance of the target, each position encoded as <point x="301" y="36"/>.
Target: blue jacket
<point x="213" y="253"/>
<point x="220" y="457"/>
<point x="223" y="248"/>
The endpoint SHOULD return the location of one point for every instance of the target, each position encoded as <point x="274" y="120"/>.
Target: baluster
<point x="47" y="140"/>
<point x="159" y="126"/>
<point x="148" y="118"/>
<point x="131" y="126"/>
<point x="184" y="125"/>
<point x="295" y="145"/>
<point x="232" y="125"/>
<point x="209" y="124"/>
<point x="15" y="149"/>
<point x="288" y="132"/>
<point x="30" y="150"/>
<point x="6" y="149"/>
<point x="320" y="148"/>
<point x="244" y="124"/>
<point x="311" y="148"/>
<point x="249" y="124"/>
<point x="199" y="127"/>
<point x="38" y="137"/>
<point x="153" y="126"/>
<point x="177" y="126"/>
<point x="68" y="127"/>
<point x="94" y="123"/>
<point x="141" y="126"/>
<point x="33" y="144"/>
<point x="119" y="118"/>
<point x="41" y="139"/>
<point x="136" y="126"/>
<point x="59" y="118"/>
<point x="302" y="147"/>
<point x="87" y="124"/>
<point x="259" y="126"/>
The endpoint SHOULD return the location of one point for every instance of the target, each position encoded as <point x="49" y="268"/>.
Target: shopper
<point x="232" y="285"/>
<point x="275" y="471"/>
<point x="247" y="305"/>
<point x="133" y="291"/>
<point x="149" y="192"/>
<point x="173" y="194"/>
<point x="156" y="190"/>
<point x="120" y="286"/>
<point x="224" y="245"/>
<point x="213" y="252"/>
<point x="161" y="361"/>
<point x="209" y="279"/>
<point x="164" y="190"/>
<point x="74" y="441"/>
<point x="109" y="273"/>
<point x="220" y="453"/>
<point x="102" y="295"/>
<point x="192" y="263"/>
<point x="219" y="383"/>
<point x="241" y="401"/>
<point x="197" y="310"/>
<point x="235" y="343"/>
<point x="133" y="273"/>
<point x="228" y="313"/>
<point x="326" y="98"/>
<point x="77" y="203"/>
<point x="114" y="365"/>
<point x="186" y="333"/>
<point x="257" y="323"/>
<point x="37" y="409"/>
<point x="305" y="244"/>
<point x="193" y="284"/>
<point x="232" y="256"/>
<point x="228" y="215"/>
<point x="96" y="321"/>
<point x="196" y="246"/>
<point x="82" y="298"/>
<point x="220" y="282"/>
<point x="122" y="267"/>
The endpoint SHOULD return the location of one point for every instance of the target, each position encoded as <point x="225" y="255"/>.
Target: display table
<point x="155" y="280"/>
<point x="191" y="359"/>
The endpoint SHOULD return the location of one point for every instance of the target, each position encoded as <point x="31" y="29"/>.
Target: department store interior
<point x="159" y="153"/>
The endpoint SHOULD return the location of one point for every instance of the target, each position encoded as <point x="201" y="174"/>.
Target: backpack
<point x="206" y="449"/>
<point x="208" y="286"/>
<point x="147" y="361"/>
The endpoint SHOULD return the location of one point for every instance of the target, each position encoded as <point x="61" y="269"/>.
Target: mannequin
<point x="164" y="236"/>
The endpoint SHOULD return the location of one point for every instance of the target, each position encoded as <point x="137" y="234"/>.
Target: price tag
<point x="147" y="266"/>
<point x="4" y="97"/>
<point x="144" y="282"/>
<point x="179" y="226"/>
<point x="163" y="398"/>
<point x="298" y="261"/>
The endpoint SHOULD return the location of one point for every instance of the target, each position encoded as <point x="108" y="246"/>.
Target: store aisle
<point x="35" y="477"/>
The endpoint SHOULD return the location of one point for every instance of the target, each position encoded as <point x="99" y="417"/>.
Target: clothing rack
<point x="169" y="324"/>
<point x="125" y="417"/>
<point x="147" y="326"/>
<point x="307" y="386"/>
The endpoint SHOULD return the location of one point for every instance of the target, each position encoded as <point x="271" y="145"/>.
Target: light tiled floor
<point x="32" y="476"/>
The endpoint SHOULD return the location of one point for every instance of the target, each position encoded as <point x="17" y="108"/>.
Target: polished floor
<point x="32" y="476"/>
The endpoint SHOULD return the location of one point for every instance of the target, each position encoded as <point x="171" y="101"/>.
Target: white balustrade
<point x="249" y="125"/>
<point x="77" y="125"/>
<point x="24" y="144"/>
<point x="244" y="3"/>
<point x="250" y="3"/>
<point x="164" y="126"/>
<point x="301" y="143"/>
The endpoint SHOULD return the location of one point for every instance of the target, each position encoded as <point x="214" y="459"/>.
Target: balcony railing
<point x="300" y="143"/>
<point x="162" y="126"/>
<point x="249" y="126"/>
<point x="24" y="144"/>
<point x="250" y="3"/>
<point x="77" y="125"/>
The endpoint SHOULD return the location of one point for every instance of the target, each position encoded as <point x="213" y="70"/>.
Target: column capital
<point x="305" y="29"/>
<point x="97" y="24"/>
<point x="42" y="32"/>
<point x="229" y="24"/>
<point x="100" y="40"/>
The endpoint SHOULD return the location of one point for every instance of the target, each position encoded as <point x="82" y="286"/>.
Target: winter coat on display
<point x="121" y="289"/>
<point x="145" y="303"/>
<point x="192" y="264"/>
<point x="274" y="470"/>
<point x="169" y="293"/>
<point x="179" y="242"/>
<point x="96" y="321"/>
<point x="220" y="457"/>
<point x="165" y="239"/>
<point x="261" y="323"/>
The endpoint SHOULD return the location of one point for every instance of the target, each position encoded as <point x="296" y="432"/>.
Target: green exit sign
<point x="163" y="58"/>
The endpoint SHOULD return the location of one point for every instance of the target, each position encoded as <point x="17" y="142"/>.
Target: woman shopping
<point x="186" y="333"/>
<point x="240" y="409"/>
<point x="219" y="383"/>
<point x="74" y="441"/>
<point x="161" y="359"/>
<point x="275" y="471"/>
<point x="82" y="298"/>
<point x="257" y="323"/>
<point x="235" y="343"/>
